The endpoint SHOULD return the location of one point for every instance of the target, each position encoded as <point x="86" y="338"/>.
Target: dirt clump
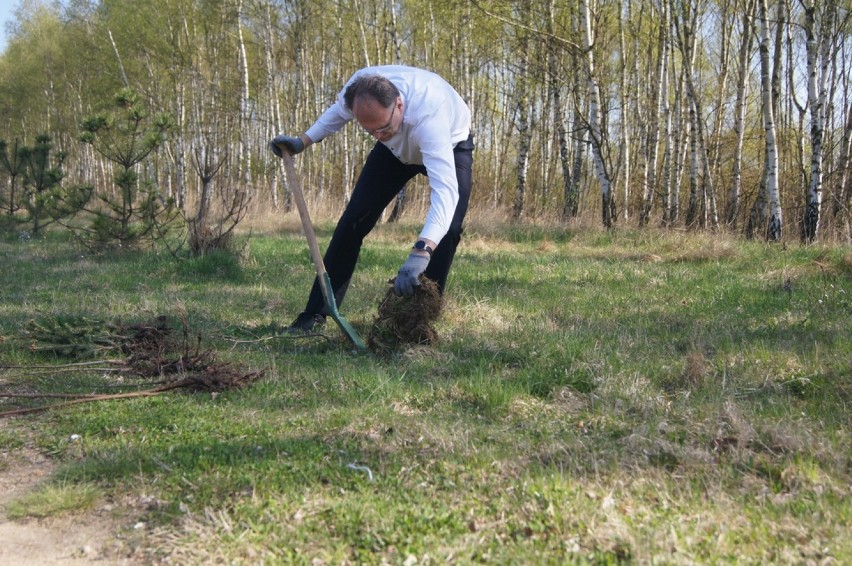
<point x="406" y="321"/>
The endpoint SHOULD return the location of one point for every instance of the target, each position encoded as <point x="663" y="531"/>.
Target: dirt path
<point x="70" y="539"/>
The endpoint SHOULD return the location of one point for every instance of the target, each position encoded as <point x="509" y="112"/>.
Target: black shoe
<point x="306" y="323"/>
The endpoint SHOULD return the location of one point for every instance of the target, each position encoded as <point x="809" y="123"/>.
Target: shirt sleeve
<point x="437" y="150"/>
<point x="331" y="121"/>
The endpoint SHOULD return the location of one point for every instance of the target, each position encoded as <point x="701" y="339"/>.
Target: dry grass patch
<point x="846" y="264"/>
<point x="483" y="244"/>
<point x="481" y="318"/>
<point x="696" y="250"/>
<point x="696" y="371"/>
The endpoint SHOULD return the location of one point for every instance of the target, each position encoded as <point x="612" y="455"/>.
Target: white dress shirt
<point x="434" y="120"/>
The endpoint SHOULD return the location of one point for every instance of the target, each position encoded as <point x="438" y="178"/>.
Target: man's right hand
<point x="293" y="144"/>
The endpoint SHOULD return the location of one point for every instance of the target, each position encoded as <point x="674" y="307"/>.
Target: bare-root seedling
<point x="147" y="350"/>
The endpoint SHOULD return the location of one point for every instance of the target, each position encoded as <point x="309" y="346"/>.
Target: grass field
<point x="595" y="397"/>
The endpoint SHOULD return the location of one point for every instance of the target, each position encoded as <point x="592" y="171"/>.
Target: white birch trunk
<point x="362" y="32"/>
<point x="843" y="191"/>
<point x="118" y="58"/>
<point x="559" y="118"/>
<point x="524" y="136"/>
<point x="659" y="103"/>
<point x="245" y="112"/>
<point x="179" y="146"/>
<point x="739" y="117"/>
<point x="775" y="225"/>
<point x="818" y="51"/>
<point x="394" y="34"/>
<point x="679" y="148"/>
<point x="707" y="206"/>
<point x="523" y="113"/>
<point x="623" y="172"/>
<point x="595" y="118"/>
<point x="693" y="210"/>
<point x="274" y="101"/>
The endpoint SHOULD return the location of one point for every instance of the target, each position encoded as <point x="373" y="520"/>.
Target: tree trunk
<point x="622" y="172"/>
<point x="245" y="123"/>
<point x="579" y="130"/>
<point x="706" y="208"/>
<point x="693" y="216"/>
<point x="659" y="103"/>
<point x="679" y="148"/>
<point x="393" y="31"/>
<point x="720" y="87"/>
<point x="559" y="116"/>
<point x="740" y="116"/>
<point x="842" y="209"/>
<point x="818" y="58"/>
<point x="274" y="101"/>
<point x="523" y="112"/>
<point x="524" y="138"/>
<point x="769" y="196"/>
<point x="608" y="210"/>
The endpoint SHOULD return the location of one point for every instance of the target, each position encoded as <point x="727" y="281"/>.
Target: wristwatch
<point x="420" y="245"/>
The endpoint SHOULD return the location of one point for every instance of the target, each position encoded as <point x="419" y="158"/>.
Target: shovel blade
<point x="331" y="305"/>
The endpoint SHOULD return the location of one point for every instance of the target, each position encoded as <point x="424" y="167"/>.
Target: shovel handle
<point x="305" y="217"/>
<point x="322" y="274"/>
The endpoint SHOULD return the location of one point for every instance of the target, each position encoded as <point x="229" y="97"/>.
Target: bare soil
<point x="69" y="539"/>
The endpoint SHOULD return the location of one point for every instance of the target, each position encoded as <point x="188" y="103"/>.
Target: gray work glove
<point x="407" y="278"/>
<point x="293" y="144"/>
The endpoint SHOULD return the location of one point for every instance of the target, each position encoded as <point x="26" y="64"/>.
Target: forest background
<point x="728" y="114"/>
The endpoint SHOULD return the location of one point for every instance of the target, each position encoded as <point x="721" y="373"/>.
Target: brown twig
<point x="46" y="395"/>
<point x="213" y="383"/>
<point x="46" y="371"/>
<point x="110" y="365"/>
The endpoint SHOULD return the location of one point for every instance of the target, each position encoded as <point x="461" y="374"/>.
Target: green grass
<point x="53" y="500"/>
<point x="594" y="398"/>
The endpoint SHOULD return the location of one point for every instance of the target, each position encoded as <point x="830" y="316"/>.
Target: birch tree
<point x="244" y="123"/>
<point x="555" y="87"/>
<point x="746" y="44"/>
<point x="608" y="208"/>
<point x="842" y="209"/>
<point x="685" y="24"/>
<point x="622" y="170"/>
<point x="522" y="116"/>
<point x="253" y="68"/>
<point x="579" y="130"/>
<point x="819" y="54"/>
<point x="766" y="213"/>
<point x="659" y="103"/>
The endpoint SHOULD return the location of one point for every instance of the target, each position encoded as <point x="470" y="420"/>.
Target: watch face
<point x="420" y="245"/>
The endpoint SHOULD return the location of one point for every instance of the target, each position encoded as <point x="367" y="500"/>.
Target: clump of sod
<point x="406" y="321"/>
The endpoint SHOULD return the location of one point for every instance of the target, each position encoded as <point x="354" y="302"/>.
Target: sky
<point x="7" y="9"/>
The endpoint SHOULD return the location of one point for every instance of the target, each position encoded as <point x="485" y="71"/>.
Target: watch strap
<point x="420" y="245"/>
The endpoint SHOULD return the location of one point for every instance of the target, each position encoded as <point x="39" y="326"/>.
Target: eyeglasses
<point x="384" y="128"/>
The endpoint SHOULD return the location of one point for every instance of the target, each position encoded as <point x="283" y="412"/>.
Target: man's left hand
<point x="407" y="278"/>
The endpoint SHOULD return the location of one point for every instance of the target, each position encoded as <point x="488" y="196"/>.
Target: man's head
<point x="376" y="104"/>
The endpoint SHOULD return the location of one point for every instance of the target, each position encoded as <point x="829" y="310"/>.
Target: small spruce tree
<point x="41" y="200"/>
<point x="126" y="137"/>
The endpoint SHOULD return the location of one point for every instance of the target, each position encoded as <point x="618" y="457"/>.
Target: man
<point x="422" y="126"/>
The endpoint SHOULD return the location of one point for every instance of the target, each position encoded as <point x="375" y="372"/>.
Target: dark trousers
<point x="381" y="179"/>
